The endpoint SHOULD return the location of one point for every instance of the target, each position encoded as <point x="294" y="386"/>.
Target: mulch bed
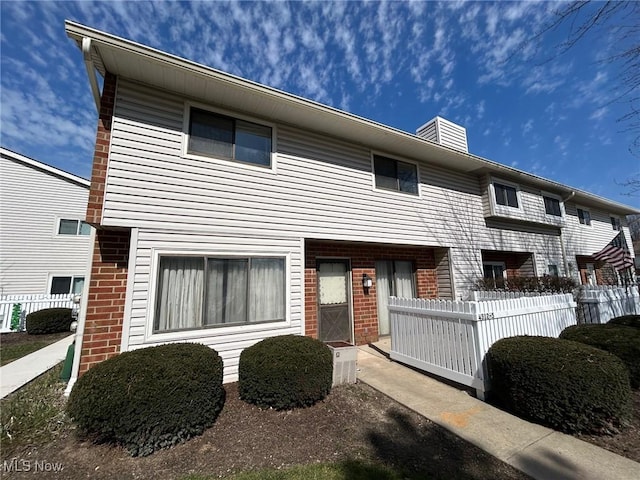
<point x="354" y="422"/>
<point x="625" y="442"/>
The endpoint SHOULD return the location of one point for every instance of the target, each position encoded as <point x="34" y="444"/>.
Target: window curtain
<point x="266" y="290"/>
<point x="227" y="291"/>
<point x="179" y="303"/>
<point x="384" y="274"/>
<point x="404" y="284"/>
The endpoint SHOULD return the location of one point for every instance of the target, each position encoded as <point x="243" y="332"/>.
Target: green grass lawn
<point x="34" y="413"/>
<point x="9" y="353"/>
<point x="17" y="345"/>
<point x="327" y="471"/>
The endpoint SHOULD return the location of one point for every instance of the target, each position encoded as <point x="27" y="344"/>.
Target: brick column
<point x="101" y="152"/>
<point x="108" y="282"/>
<point x="107" y="291"/>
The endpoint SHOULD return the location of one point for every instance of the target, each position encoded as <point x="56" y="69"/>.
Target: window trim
<point x="584" y="209"/>
<point x="234" y="116"/>
<point x="212" y="330"/>
<point x="504" y="209"/>
<point x="59" y="220"/>
<point x="618" y="221"/>
<point x="556" y="197"/>
<point x="374" y="154"/>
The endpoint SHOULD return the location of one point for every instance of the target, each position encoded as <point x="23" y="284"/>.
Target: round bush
<point x="622" y="341"/>
<point x="285" y="372"/>
<point x="626" y="320"/>
<point x="49" y="320"/>
<point x="565" y="385"/>
<point x="150" y="398"/>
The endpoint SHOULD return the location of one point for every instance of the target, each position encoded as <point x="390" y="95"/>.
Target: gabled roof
<point x="172" y="73"/>
<point x="43" y="167"/>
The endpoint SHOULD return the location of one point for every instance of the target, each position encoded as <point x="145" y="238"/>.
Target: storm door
<point x="334" y="312"/>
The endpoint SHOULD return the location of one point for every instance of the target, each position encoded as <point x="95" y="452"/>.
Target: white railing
<point x="601" y="304"/>
<point x="28" y="304"/>
<point x="452" y="338"/>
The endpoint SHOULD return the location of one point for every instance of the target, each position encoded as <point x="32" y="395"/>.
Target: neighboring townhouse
<point x="44" y="240"/>
<point x="228" y="211"/>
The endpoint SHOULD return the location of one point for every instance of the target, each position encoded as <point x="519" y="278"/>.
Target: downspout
<point x="82" y="316"/>
<point x="91" y="71"/>
<point x="565" y="260"/>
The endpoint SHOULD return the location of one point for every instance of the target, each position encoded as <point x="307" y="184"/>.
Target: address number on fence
<point x="487" y="316"/>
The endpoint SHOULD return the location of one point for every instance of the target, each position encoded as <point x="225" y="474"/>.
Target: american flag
<point x="616" y="253"/>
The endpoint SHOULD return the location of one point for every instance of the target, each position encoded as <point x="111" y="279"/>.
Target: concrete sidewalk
<point x="540" y="452"/>
<point x="21" y="371"/>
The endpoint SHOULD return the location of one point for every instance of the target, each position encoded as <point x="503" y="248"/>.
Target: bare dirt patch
<point x="354" y="422"/>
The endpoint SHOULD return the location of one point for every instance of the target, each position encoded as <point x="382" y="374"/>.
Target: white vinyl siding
<point x="583" y="240"/>
<point x="33" y="202"/>
<point x="146" y="249"/>
<point x="323" y="188"/>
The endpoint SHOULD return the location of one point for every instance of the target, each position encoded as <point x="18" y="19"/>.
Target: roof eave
<point x="332" y="121"/>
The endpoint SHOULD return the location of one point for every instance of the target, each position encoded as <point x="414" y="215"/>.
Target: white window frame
<point x="397" y="158"/>
<point x="68" y="235"/>
<point x="554" y="265"/>
<point x="222" y="160"/>
<point x="584" y="209"/>
<point x="217" y="331"/>
<point x="556" y="197"/>
<point x="619" y="220"/>
<point x="504" y="209"/>
<point x="64" y="275"/>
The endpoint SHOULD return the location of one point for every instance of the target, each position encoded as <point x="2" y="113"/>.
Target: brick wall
<point x="363" y="257"/>
<point x="517" y="264"/>
<point x="101" y="152"/>
<point x="108" y="283"/>
<point x="107" y="291"/>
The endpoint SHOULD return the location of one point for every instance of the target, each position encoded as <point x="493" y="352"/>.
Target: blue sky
<point x="398" y="63"/>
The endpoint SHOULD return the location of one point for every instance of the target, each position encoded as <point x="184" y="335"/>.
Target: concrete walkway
<point x="540" y="452"/>
<point x="21" y="371"/>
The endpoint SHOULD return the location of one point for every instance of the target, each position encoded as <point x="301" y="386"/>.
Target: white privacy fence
<point x="451" y="338"/>
<point x="601" y="304"/>
<point x="28" y="304"/>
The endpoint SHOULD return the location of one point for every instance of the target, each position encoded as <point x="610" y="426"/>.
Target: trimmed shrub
<point x="150" y="398"/>
<point x="626" y="320"/>
<point x="620" y="340"/>
<point x="565" y="385"/>
<point x="49" y="320"/>
<point x="285" y="372"/>
<point x="547" y="284"/>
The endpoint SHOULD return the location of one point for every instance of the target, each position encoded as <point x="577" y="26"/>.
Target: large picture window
<point x="217" y="135"/>
<point x="199" y="292"/>
<point x="395" y="175"/>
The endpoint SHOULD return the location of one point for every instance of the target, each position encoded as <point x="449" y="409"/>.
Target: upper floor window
<point x="217" y="135"/>
<point x="552" y="206"/>
<point x="506" y="195"/>
<point x="73" y="227"/>
<point x="616" y="224"/>
<point x="395" y="175"/>
<point x="584" y="216"/>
